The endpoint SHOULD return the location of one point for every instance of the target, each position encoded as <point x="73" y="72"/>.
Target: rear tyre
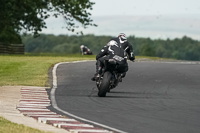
<point x="104" y="87"/>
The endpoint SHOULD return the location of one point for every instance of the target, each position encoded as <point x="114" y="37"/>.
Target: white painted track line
<point x="24" y="102"/>
<point x="73" y="125"/>
<point x="46" y="113"/>
<point x="44" y="120"/>
<point x="89" y="130"/>
<point x="34" y="109"/>
<point x="49" y="116"/>
<point x="20" y="105"/>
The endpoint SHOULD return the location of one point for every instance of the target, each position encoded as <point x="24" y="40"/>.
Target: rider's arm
<point x="130" y="52"/>
<point x="103" y="52"/>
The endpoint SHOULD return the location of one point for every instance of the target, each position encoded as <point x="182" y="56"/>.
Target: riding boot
<point x="96" y="76"/>
<point x="122" y="76"/>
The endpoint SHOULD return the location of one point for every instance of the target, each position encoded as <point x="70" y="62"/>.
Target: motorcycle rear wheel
<point x="104" y="87"/>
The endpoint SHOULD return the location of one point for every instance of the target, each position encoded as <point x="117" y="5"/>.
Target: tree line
<point x="184" y="48"/>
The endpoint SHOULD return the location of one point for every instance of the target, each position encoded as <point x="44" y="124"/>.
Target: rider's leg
<point x="99" y="65"/>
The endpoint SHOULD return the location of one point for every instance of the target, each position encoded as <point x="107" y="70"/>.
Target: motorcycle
<point x="109" y="77"/>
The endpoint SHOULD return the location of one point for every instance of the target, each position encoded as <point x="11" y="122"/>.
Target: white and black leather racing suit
<point x="118" y="49"/>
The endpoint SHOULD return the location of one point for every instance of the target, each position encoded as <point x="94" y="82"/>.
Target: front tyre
<point x="104" y="87"/>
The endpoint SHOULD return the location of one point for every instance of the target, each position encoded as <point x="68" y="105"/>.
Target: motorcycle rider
<point x="117" y="48"/>
<point x="85" y="50"/>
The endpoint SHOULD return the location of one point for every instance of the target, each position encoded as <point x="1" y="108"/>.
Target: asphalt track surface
<point x="154" y="97"/>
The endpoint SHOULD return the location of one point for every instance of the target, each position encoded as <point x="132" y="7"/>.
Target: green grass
<point x="10" y="127"/>
<point x="31" y="70"/>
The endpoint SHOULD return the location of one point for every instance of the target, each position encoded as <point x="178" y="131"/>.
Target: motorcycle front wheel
<point x="104" y="87"/>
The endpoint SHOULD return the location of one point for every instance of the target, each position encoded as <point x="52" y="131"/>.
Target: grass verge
<point x="30" y="70"/>
<point x="10" y="127"/>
